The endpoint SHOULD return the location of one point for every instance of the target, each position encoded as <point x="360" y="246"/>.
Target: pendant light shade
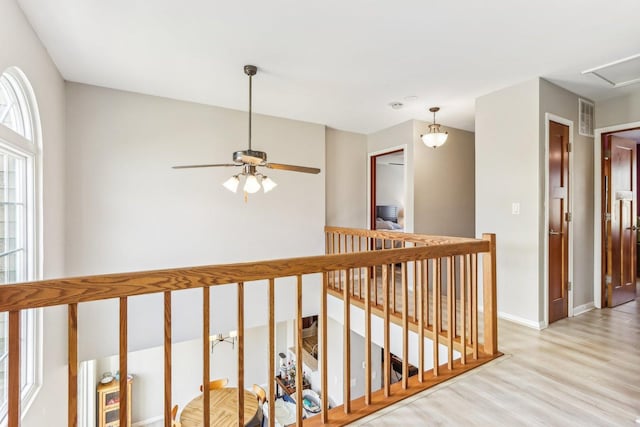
<point x="435" y="137"/>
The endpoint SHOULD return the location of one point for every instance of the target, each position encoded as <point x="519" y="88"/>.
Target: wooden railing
<point x="350" y="271"/>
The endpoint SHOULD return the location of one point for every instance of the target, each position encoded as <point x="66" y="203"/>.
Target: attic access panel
<point x="619" y="73"/>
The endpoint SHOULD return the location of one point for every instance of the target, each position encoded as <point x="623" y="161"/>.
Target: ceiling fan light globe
<point x="251" y="185"/>
<point x="232" y="184"/>
<point x="268" y="184"/>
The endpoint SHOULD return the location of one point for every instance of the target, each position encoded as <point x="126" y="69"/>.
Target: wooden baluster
<point x="13" y="412"/>
<point x="375" y="275"/>
<point x="474" y="304"/>
<point x="405" y="327"/>
<point x="167" y="359"/>
<point x="347" y="347"/>
<point x="425" y="280"/>
<point x="323" y="352"/>
<point x="393" y="288"/>
<point x="272" y="351"/>
<point x="72" y="390"/>
<point x="464" y="277"/>
<point x="124" y="350"/>
<point x="206" y="377"/>
<point x="450" y="311"/>
<point x="367" y="341"/>
<point x="419" y="288"/>
<point x="299" y="379"/>
<point x="489" y="296"/>
<point x="387" y="351"/>
<point x="436" y="315"/>
<point x="360" y="271"/>
<point x="335" y="273"/>
<point x="415" y="290"/>
<point x="353" y="270"/>
<point x="240" y="354"/>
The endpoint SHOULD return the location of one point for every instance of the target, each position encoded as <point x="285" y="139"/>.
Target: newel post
<point x="489" y="297"/>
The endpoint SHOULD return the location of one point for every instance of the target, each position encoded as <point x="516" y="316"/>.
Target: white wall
<point x="444" y="199"/>
<point x="127" y="210"/>
<point x="390" y="185"/>
<point x="508" y="170"/>
<point x="346" y="179"/>
<point x="21" y="48"/>
<point x="335" y="359"/>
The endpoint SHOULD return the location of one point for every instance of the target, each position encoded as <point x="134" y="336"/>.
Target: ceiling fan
<point x="250" y="160"/>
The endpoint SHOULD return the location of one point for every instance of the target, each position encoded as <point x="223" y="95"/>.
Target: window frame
<point x="28" y="146"/>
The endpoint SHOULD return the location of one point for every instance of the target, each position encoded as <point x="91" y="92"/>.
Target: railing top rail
<point x="47" y="293"/>
<point x="398" y="235"/>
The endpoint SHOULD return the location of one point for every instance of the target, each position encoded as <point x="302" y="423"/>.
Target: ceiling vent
<point x="619" y="73"/>
<point x="585" y="122"/>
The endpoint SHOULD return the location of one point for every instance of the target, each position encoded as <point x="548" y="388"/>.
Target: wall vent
<point x="585" y="115"/>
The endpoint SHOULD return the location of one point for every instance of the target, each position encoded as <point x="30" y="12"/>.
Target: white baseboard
<point x="581" y="309"/>
<point x="520" y="320"/>
<point x="148" y="421"/>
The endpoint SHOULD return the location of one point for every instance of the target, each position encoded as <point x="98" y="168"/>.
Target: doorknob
<point x="552" y="232"/>
<point x="634" y="228"/>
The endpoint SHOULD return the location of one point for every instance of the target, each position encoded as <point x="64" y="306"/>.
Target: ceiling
<point x="337" y="62"/>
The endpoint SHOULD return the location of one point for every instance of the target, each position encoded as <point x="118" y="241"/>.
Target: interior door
<point x="621" y="280"/>
<point x="558" y="221"/>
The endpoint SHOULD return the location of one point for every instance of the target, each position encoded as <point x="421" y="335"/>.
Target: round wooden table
<point x="223" y="406"/>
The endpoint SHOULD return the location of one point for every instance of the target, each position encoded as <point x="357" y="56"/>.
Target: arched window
<point x="19" y="257"/>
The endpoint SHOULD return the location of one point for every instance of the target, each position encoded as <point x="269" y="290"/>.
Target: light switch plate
<point x="515" y="208"/>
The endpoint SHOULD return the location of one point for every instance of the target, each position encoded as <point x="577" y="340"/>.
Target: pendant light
<point x="435" y="137"/>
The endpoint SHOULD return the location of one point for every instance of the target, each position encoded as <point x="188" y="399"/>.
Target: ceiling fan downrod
<point x="250" y="70"/>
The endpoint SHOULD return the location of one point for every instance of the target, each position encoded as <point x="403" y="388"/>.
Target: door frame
<point x="597" y="206"/>
<point x="548" y="117"/>
<point x="371" y="186"/>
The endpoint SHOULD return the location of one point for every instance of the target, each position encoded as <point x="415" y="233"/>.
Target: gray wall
<point x="398" y="136"/>
<point x="346" y="179"/>
<point x="21" y="48"/>
<point x="443" y="185"/>
<point x="561" y="102"/>
<point x="129" y="211"/>
<point x="619" y="110"/>
<point x="507" y="171"/>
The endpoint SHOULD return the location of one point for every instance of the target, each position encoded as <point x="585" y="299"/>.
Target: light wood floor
<point x="583" y="371"/>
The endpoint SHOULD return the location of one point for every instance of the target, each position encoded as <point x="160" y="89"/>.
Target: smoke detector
<point x="396" y="105"/>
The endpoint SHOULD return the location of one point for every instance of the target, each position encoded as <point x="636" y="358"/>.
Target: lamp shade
<point x="232" y="184"/>
<point x="268" y="184"/>
<point x="251" y="185"/>
<point x="434" y="139"/>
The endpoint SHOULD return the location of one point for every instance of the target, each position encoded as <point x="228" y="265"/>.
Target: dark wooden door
<point x="621" y="286"/>
<point x="558" y="224"/>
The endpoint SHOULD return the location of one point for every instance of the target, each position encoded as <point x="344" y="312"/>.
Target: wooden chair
<point x="174" y="413"/>
<point x="216" y="384"/>
<point x="260" y="394"/>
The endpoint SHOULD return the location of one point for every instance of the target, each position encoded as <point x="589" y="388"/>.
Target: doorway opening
<point x="387" y="190"/>
<point x="618" y="217"/>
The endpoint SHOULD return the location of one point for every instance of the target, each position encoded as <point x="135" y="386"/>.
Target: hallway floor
<point x="580" y="371"/>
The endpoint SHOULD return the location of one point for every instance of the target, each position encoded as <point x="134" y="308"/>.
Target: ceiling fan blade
<point x="294" y="168"/>
<point x="205" y="166"/>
